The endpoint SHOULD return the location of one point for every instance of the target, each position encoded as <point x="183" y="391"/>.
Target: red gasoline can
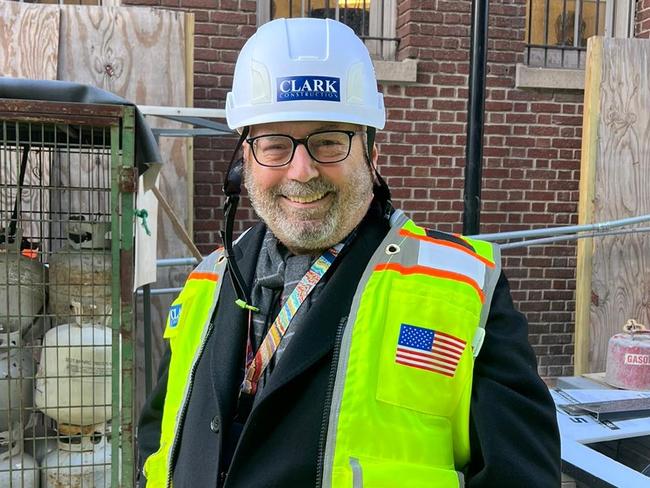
<point x="628" y="358"/>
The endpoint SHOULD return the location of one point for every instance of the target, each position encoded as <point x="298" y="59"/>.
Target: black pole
<point x="475" y="112"/>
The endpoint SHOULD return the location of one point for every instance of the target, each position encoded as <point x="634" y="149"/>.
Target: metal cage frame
<point x="119" y="121"/>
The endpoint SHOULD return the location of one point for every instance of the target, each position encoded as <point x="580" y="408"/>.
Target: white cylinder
<point x="17" y="468"/>
<point x="80" y="272"/>
<point x="16" y="387"/>
<point x="39" y="441"/>
<point x="22" y="290"/>
<point x="78" y="462"/>
<point x="73" y="382"/>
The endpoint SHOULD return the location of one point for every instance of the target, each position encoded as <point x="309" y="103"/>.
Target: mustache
<point x="296" y="189"/>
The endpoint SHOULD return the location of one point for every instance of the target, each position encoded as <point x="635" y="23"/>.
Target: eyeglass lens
<point x="324" y="147"/>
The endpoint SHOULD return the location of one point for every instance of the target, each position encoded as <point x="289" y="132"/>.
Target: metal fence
<point x="557" y="30"/>
<point x="66" y="350"/>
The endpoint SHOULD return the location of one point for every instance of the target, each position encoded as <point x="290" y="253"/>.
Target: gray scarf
<point x="276" y="275"/>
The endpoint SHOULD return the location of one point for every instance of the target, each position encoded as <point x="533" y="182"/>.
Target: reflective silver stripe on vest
<point x="392" y="238"/>
<point x="214" y="263"/>
<point x="393" y="249"/>
<point x="357" y="473"/>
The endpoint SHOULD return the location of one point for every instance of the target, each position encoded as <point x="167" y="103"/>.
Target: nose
<point x="302" y="167"/>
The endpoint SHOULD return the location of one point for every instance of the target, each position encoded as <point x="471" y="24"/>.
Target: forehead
<point x="299" y="129"/>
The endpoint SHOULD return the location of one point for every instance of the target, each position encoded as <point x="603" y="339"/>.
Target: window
<point x="372" y="20"/>
<point x="557" y="30"/>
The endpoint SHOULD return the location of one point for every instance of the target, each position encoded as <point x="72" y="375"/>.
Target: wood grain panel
<point x="591" y="115"/>
<point x="620" y="265"/>
<point x="140" y="54"/>
<point x="29" y="40"/>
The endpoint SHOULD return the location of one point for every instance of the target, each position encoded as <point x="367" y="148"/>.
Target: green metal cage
<point x="67" y="190"/>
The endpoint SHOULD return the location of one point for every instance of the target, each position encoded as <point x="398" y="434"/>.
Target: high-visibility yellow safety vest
<point x="399" y="414"/>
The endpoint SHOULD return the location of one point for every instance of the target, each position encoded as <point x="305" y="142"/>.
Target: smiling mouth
<point x="307" y="199"/>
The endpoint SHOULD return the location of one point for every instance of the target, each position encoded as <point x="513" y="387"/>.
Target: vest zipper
<point x="328" y="402"/>
<point x="181" y="416"/>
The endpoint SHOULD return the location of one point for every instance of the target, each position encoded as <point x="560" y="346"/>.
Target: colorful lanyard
<point x="256" y="366"/>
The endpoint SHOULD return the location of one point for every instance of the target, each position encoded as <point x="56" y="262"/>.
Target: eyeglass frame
<point x="304" y="141"/>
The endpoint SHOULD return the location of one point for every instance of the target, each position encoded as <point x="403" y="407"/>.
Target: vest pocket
<point x="425" y="359"/>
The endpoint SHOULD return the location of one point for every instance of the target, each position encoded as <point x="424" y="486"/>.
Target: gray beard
<point x="302" y="231"/>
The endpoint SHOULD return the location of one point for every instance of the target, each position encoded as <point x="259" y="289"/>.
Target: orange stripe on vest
<point x="441" y="242"/>
<point x="203" y="276"/>
<point x="438" y="273"/>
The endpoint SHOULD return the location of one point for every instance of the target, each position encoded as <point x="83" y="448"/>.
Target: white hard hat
<point x="304" y="69"/>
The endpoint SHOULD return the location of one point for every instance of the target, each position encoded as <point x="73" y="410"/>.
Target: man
<point x="337" y="343"/>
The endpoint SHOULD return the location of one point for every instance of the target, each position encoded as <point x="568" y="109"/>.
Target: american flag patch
<point x="428" y="349"/>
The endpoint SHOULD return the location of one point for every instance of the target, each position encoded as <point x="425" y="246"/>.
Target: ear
<point x="374" y="157"/>
<point x="246" y="152"/>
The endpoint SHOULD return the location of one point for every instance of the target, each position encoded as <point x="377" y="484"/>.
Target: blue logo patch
<point x="309" y="88"/>
<point x="174" y="315"/>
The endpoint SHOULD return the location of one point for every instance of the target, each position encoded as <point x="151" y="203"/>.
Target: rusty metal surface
<point x="60" y="112"/>
<point x="128" y="179"/>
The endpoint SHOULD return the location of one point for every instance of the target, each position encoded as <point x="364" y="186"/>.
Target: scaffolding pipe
<point x="572" y="237"/>
<point x="164" y="263"/>
<point x="160" y="291"/>
<point x="570" y="229"/>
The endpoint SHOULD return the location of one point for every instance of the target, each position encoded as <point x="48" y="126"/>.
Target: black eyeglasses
<point x="324" y="147"/>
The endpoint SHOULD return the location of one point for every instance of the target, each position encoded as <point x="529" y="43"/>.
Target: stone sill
<point x="550" y="78"/>
<point x="389" y="72"/>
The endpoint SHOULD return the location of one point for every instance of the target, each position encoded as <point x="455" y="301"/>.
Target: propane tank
<point x="16" y="382"/>
<point x="39" y="441"/>
<point x="17" y="468"/>
<point x="22" y="290"/>
<point x="81" y="272"/>
<point x="628" y="358"/>
<point x="73" y="382"/>
<point x="82" y="460"/>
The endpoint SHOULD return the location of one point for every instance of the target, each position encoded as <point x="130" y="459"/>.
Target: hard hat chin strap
<point x="232" y="190"/>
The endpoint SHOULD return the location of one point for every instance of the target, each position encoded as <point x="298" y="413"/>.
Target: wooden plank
<point x="589" y="152"/>
<point x="620" y="168"/>
<point x="140" y="54"/>
<point x="29" y="39"/>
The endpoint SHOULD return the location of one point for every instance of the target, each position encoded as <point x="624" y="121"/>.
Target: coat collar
<point x="228" y="340"/>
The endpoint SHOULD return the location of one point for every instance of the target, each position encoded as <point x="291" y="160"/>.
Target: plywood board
<point x="140" y="54"/>
<point x="29" y="40"/>
<point x="613" y="272"/>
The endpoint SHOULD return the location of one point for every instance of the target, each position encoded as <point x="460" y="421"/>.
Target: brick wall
<point x="532" y="145"/>
<point x="532" y="154"/>
<point x="642" y="24"/>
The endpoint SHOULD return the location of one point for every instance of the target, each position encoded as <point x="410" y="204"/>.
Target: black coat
<point x="514" y="436"/>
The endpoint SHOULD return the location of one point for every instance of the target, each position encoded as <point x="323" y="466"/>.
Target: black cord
<point x="11" y="232"/>
<point x="232" y="189"/>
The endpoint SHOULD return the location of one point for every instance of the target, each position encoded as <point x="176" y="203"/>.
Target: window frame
<point x="383" y="19"/>
<point x="618" y="22"/>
